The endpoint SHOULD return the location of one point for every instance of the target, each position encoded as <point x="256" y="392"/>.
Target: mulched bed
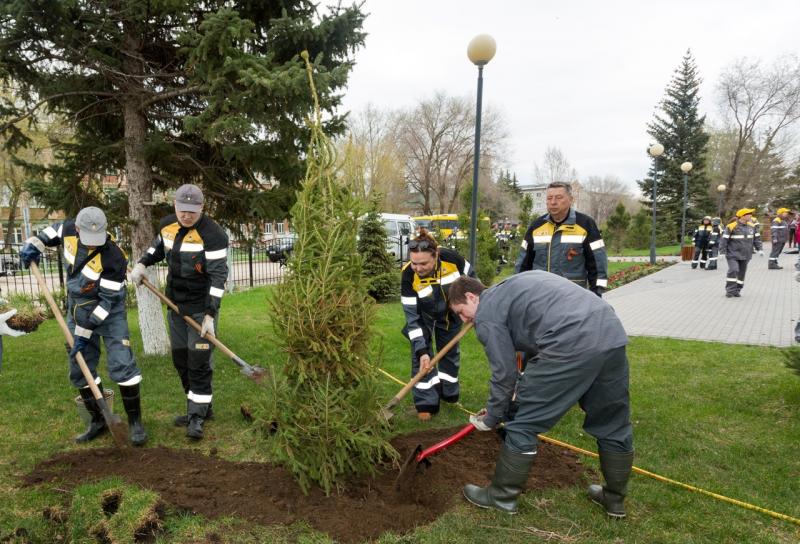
<point x="265" y="494"/>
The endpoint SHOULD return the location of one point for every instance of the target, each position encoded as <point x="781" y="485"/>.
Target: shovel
<point x="113" y="421"/>
<point x="412" y="463"/>
<point x="386" y="411"/>
<point x="254" y="372"/>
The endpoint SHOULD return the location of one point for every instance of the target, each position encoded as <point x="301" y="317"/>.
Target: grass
<point x="720" y="417"/>
<point x="660" y="250"/>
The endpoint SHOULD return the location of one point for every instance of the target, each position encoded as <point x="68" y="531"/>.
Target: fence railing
<point x="249" y="265"/>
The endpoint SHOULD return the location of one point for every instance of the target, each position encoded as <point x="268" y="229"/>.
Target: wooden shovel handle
<point x="172" y="306"/>
<point x="67" y="334"/>
<point x="422" y="373"/>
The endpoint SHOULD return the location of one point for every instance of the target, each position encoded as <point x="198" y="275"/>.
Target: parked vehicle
<point x="443" y="225"/>
<point x="399" y="228"/>
<point x="9" y="264"/>
<point x="279" y="249"/>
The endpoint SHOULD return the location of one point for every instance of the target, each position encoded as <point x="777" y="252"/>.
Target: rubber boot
<point x="510" y="475"/>
<point x="616" y="469"/>
<point x="197" y="415"/>
<point x="97" y="426"/>
<point x="183" y="420"/>
<point x="133" y="407"/>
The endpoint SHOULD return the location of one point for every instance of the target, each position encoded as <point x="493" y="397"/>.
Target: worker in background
<point x="738" y="240"/>
<point x="713" y="243"/>
<point x="702" y="236"/>
<point x="779" y="235"/>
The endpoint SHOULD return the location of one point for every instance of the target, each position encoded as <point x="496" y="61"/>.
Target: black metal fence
<point x="249" y="265"/>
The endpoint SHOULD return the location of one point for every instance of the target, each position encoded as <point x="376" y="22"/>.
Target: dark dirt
<point x="266" y="494"/>
<point x="26" y="322"/>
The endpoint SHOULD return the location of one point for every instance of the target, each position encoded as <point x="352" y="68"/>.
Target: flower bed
<point x="634" y="272"/>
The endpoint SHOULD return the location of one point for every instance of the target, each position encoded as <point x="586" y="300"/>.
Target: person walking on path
<point x="792" y="231"/>
<point x="702" y="238"/>
<point x="96" y="309"/>
<point x="196" y="249"/>
<point x="713" y="243"/>
<point x="565" y="242"/>
<point x="581" y="346"/>
<point x="779" y="235"/>
<point x="738" y="241"/>
<point x="424" y="284"/>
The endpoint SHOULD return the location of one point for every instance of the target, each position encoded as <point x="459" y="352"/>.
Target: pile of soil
<point x="26" y="320"/>
<point x="266" y="494"/>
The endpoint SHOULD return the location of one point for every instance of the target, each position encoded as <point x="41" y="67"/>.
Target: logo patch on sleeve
<point x="202" y="346"/>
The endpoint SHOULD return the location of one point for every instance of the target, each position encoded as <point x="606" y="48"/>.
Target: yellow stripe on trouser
<point x="641" y="471"/>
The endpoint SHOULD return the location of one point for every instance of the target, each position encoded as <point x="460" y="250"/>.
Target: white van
<point x="399" y="230"/>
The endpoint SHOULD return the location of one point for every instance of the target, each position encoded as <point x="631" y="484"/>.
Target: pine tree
<point x="679" y="128"/>
<point x="616" y="228"/>
<point x="487" y="250"/>
<point x="323" y="409"/>
<point x="380" y="273"/>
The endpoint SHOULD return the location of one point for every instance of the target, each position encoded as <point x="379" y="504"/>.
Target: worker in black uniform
<point x="96" y="269"/>
<point x="702" y="237"/>
<point x="580" y="344"/>
<point x="195" y="248"/>
<point x="779" y="235"/>
<point x="738" y="241"/>
<point x="565" y="242"/>
<point x="424" y="283"/>
<point x="713" y="243"/>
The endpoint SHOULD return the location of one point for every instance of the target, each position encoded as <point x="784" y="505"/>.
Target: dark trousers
<point x="713" y="255"/>
<point x="191" y="356"/>
<point x="598" y="383"/>
<point x="774" y="253"/>
<point x="441" y="382"/>
<point x="734" y="282"/>
<point x="700" y="256"/>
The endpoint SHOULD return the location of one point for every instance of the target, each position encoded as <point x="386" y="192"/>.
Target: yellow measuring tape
<point x="638" y="470"/>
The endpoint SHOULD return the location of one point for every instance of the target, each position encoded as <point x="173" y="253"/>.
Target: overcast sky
<point x="583" y="76"/>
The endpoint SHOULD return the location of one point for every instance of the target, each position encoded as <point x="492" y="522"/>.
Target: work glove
<point x="4" y="328"/>
<point x="477" y="420"/>
<point x="138" y="274"/>
<point x="31" y="251"/>
<point x="208" y="326"/>
<point x="79" y="345"/>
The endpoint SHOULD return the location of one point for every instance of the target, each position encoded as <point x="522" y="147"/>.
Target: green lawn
<point x="720" y="417"/>
<point x="660" y="250"/>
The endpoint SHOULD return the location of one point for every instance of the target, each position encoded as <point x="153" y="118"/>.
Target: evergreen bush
<point x="322" y="412"/>
<point x="380" y="272"/>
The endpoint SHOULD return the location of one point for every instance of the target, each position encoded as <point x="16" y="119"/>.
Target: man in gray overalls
<point x="96" y="269"/>
<point x="581" y="359"/>
<point x="738" y="240"/>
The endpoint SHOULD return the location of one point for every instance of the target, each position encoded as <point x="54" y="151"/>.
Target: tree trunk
<point x="13" y="202"/>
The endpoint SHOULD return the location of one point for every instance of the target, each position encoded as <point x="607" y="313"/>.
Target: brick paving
<point x="679" y="302"/>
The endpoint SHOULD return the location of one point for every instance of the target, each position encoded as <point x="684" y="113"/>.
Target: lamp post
<point x="480" y="51"/>
<point x="721" y="190"/>
<point x="655" y="150"/>
<point x="685" y="168"/>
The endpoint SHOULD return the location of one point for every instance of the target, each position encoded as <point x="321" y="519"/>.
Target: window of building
<point x="279" y="227"/>
<point x="267" y="228"/>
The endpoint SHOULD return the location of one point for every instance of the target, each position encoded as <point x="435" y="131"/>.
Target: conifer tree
<point x="679" y="128"/>
<point x="322" y="409"/>
<point x="616" y="228"/>
<point x="380" y="272"/>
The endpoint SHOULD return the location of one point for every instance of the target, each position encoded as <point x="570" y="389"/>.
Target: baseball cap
<point x="91" y="223"/>
<point x="189" y="198"/>
<point x="783" y="210"/>
<point x="744" y="211"/>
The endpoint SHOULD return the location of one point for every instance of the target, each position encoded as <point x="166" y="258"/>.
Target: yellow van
<point x="443" y="224"/>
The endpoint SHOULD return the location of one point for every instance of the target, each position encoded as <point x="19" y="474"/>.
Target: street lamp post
<point x="480" y="51"/>
<point x="655" y="150"/>
<point x="685" y="168"/>
<point x="721" y="190"/>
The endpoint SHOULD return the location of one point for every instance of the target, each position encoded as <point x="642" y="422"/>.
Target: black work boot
<point x="97" y="426"/>
<point x="133" y="407"/>
<point x="183" y="420"/>
<point x="616" y="469"/>
<point x="197" y="415"/>
<point x="510" y="475"/>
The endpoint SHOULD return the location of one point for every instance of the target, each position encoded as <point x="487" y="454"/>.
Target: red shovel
<point x="409" y="468"/>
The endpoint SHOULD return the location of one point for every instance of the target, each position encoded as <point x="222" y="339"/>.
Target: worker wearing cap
<point x="196" y="249"/>
<point x="738" y="240"/>
<point x="713" y="243"/>
<point x="702" y="236"/>
<point x="95" y="309"/>
<point x="779" y="233"/>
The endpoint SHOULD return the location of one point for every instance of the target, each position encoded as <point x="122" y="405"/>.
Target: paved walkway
<point x="679" y="302"/>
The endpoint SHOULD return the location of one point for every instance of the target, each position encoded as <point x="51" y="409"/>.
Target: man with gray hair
<point x="96" y="269"/>
<point x="565" y="242"/>
<point x="196" y="249"/>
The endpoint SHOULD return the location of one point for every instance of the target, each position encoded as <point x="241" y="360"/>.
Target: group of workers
<point x="195" y="250"/>
<point x="550" y="339"/>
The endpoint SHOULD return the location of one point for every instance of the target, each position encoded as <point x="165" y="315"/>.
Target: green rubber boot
<point x="616" y="469"/>
<point x="510" y="475"/>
